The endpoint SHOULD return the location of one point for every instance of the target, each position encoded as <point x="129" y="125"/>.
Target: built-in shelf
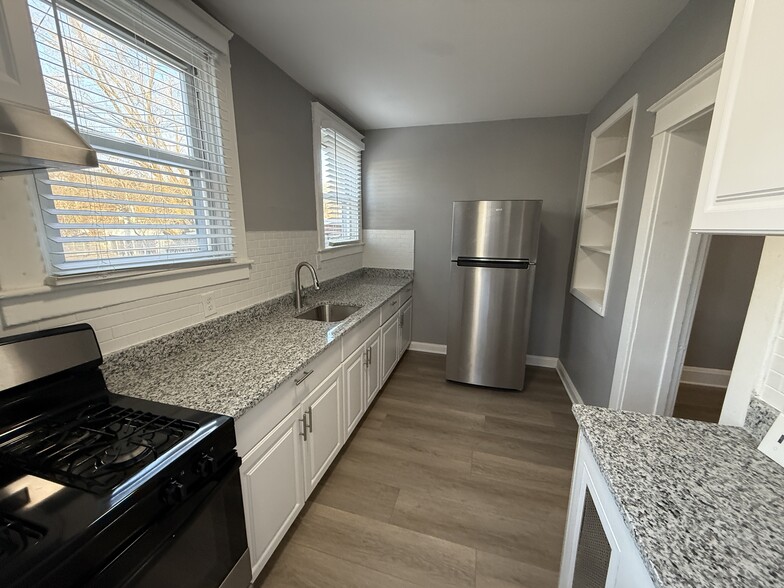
<point x="602" y="200"/>
<point x="600" y="205"/>
<point x="593" y="297"/>
<point x="603" y="249"/>
<point x="615" y="164"/>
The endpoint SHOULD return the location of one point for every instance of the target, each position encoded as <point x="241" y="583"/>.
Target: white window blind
<point x="341" y="186"/>
<point x="145" y="94"/>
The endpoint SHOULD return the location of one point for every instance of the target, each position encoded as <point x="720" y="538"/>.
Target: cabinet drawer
<point x="389" y="308"/>
<point x="309" y="377"/>
<point x="359" y="334"/>
<point x="406" y="293"/>
<point x="262" y="418"/>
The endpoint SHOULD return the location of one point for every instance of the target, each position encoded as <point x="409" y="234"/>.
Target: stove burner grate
<point x="16" y="536"/>
<point x="96" y="450"/>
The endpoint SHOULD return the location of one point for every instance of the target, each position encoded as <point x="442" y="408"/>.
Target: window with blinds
<point x="341" y="181"/>
<point x="145" y="94"/>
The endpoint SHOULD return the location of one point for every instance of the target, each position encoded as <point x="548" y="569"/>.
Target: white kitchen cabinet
<point x="406" y="314"/>
<point x="373" y="367"/>
<point x="389" y="346"/>
<point x="273" y="487"/>
<point x="742" y="183"/>
<point x="21" y="81"/>
<point x="598" y="548"/>
<point x="324" y="402"/>
<point x="354" y="388"/>
<point x="323" y="434"/>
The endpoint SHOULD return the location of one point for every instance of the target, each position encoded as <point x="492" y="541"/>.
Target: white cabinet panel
<point x="273" y="489"/>
<point x="20" y="72"/>
<point x="406" y="315"/>
<point x="374" y="365"/>
<point x="389" y="343"/>
<point x="354" y="384"/>
<point x="322" y="411"/>
<point x="597" y="543"/>
<point x="742" y="184"/>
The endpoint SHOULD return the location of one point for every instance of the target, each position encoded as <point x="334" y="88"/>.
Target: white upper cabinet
<point x="742" y="184"/>
<point x="21" y="81"/>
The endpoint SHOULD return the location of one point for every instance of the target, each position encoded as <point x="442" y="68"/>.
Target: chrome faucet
<point x="298" y="283"/>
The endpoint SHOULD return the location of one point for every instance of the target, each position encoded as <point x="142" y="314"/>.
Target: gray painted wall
<point x="275" y="143"/>
<point x="725" y="293"/>
<point x="412" y="176"/>
<point x="589" y="343"/>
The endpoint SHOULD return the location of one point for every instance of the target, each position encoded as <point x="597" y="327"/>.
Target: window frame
<point x="324" y="118"/>
<point x="29" y="294"/>
<point x="117" y="24"/>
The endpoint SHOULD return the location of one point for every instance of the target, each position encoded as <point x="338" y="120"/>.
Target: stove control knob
<point x="173" y="493"/>
<point x="205" y="467"/>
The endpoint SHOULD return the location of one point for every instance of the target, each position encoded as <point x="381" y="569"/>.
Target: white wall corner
<point x="571" y="389"/>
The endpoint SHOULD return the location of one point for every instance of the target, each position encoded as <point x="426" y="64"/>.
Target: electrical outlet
<point x="208" y="304"/>
<point x="773" y="443"/>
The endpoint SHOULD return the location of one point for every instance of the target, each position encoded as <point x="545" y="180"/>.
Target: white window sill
<point x="82" y="294"/>
<point x="340" y="251"/>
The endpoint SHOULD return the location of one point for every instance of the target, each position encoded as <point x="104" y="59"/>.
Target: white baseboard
<point x="571" y="389"/>
<point x="535" y="360"/>
<point x="705" y="376"/>
<point x="428" y="347"/>
<point x="541" y="361"/>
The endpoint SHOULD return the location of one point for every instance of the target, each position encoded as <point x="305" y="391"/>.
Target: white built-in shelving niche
<point x="605" y="178"/>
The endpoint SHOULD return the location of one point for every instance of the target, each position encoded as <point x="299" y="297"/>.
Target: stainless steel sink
<point x="329" y="313"/>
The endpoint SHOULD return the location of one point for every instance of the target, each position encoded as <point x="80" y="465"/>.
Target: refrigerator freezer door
<point x="488" y="325"/>
<point x="501" y="229"/>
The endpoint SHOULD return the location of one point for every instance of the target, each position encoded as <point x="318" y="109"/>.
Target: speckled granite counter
<point x="703" y="505"/>
<point x="232" y="363"/>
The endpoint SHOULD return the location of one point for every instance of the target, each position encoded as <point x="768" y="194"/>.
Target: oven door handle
<point x="153" y="541"/>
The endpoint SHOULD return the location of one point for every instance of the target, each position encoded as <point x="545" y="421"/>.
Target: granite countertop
<point x="230" y="364"/>
<point x="703" y="504"/>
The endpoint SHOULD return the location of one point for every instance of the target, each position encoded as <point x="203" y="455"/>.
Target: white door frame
<point x="692" y="99"/>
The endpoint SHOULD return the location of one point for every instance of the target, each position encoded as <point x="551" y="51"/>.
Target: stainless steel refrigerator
<point x="494" y="245"/>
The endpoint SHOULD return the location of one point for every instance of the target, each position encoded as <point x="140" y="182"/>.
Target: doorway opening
<point x="727" y="282"/>
<point x="669" y="259"/>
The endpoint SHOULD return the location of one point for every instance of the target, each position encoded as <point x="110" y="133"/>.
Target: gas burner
<point x="97" y="449"/>
<point x="16" y="536"/>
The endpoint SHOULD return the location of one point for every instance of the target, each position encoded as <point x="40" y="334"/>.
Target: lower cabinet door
<point x="354" y="384"/>
<point x="389" y="346"/>
<point x="322" y="411"/>
<point x="374" y="374"/>
<point x="273" y="488"/>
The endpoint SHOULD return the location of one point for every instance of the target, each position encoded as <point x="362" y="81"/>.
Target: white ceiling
<point x="396" y="63"/>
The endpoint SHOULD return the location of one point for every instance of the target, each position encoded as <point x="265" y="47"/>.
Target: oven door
<point x="200" y="544"/>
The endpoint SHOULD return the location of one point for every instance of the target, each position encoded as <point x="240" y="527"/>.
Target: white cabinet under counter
<point x="665" y="502"/>
<point x="288" y="441"/>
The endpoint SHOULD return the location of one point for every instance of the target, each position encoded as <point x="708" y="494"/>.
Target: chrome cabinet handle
<point x="304" y="377"/>
<point x="369" y="356"/>
<point x="310" y="419"/>
<point x="394" y="302"/>
<point x="304" y="433"/>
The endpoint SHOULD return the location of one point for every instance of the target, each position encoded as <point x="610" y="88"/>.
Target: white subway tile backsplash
<point x="389" y="249"/>
<point x="274" y="255"/>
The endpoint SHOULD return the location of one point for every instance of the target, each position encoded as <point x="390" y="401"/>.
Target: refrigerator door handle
<point x="493" y="262"/>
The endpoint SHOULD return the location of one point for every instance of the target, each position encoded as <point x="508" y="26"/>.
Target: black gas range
<point x="98" y="489"/>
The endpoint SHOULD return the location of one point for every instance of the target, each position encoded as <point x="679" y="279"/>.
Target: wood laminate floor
<point x="440" y="485"/>
<point x="699" y="403"/>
